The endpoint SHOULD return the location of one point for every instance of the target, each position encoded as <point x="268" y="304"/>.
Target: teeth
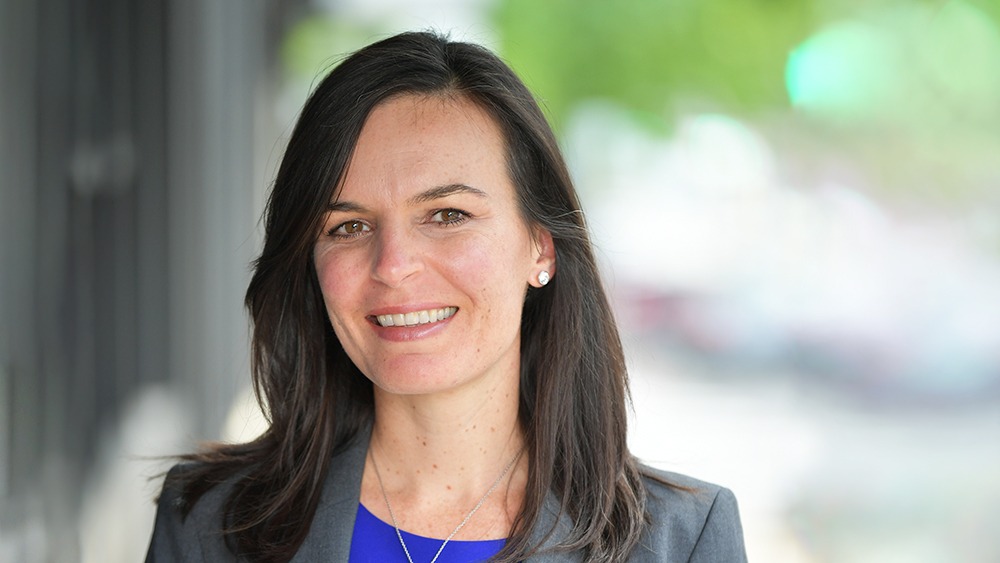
<point x="417" y="317"/>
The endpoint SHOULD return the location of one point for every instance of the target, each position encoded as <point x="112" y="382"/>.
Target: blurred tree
<point x="317" y="42"/>
<point x="907" y="89"/>
<point x="650" y="55"/>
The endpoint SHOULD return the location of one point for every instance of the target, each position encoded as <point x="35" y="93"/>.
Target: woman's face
<point x="424" y="259"/>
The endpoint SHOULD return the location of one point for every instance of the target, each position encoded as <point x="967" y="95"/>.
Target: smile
<point x="415" y="318"/>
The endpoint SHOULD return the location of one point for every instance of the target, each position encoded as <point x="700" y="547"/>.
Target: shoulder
<point x="689" y="520"/>
<point x="196" y="536"/>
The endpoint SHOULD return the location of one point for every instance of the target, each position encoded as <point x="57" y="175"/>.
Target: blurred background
<point x="796" y="204"/>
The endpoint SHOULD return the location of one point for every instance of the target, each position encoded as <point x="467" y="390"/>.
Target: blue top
<point x="376" y="542"/>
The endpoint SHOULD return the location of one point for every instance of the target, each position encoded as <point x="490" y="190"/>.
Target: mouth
<point x="415" y="318"/>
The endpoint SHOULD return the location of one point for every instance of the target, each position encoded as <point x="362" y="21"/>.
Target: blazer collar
<point x="554" y="519"/>
<point x="332" y="528"/>
<point x="330" y="533"/>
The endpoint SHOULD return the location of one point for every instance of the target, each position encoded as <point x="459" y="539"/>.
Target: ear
<point x="544" y="253"/>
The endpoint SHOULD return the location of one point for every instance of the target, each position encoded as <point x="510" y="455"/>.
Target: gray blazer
<point x="702" y="526"/>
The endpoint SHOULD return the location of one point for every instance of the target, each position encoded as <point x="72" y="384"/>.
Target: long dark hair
<point x="573" y="377"/>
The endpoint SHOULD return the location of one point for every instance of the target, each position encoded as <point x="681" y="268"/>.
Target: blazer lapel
<point x="552" y="518"/>
<point x="332" y="528"/>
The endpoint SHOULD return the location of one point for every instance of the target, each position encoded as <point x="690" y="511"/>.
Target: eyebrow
<point x="445" y="191"/>
<point x="432" y="194"/>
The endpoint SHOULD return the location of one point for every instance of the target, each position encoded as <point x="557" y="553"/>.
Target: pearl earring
<point x="543" y="277"/>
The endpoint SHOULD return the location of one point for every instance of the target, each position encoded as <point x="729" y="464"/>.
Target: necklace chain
<point x="461" y="525"/>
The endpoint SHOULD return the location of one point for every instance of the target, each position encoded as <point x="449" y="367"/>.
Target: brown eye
<point x="350" y="229"/>
<point x="450" y="216"/>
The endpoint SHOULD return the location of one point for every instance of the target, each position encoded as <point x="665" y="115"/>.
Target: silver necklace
<point x="461" y="525"/>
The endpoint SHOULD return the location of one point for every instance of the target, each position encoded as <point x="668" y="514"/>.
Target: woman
<point x="432" y="345"/>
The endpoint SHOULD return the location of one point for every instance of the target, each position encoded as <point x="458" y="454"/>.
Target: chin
<point x="412" y="384"/>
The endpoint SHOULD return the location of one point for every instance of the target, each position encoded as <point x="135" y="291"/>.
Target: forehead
<point x="427" y="138"/>
<point x="427" y="115"/>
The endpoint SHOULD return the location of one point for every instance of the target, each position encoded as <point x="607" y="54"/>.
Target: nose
<point x="397" y="256"/>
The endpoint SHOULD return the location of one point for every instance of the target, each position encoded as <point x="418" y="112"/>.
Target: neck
<point x="439" y="455"/>
<point x="441" y="443"/>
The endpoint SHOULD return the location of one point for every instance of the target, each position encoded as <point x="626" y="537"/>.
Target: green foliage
<point x="317" y="43"/>
<point x="649" y="55"/>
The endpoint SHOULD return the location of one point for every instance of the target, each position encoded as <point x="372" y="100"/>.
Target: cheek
<point x="339" y="282"/>
<point x="493" y="270"/>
